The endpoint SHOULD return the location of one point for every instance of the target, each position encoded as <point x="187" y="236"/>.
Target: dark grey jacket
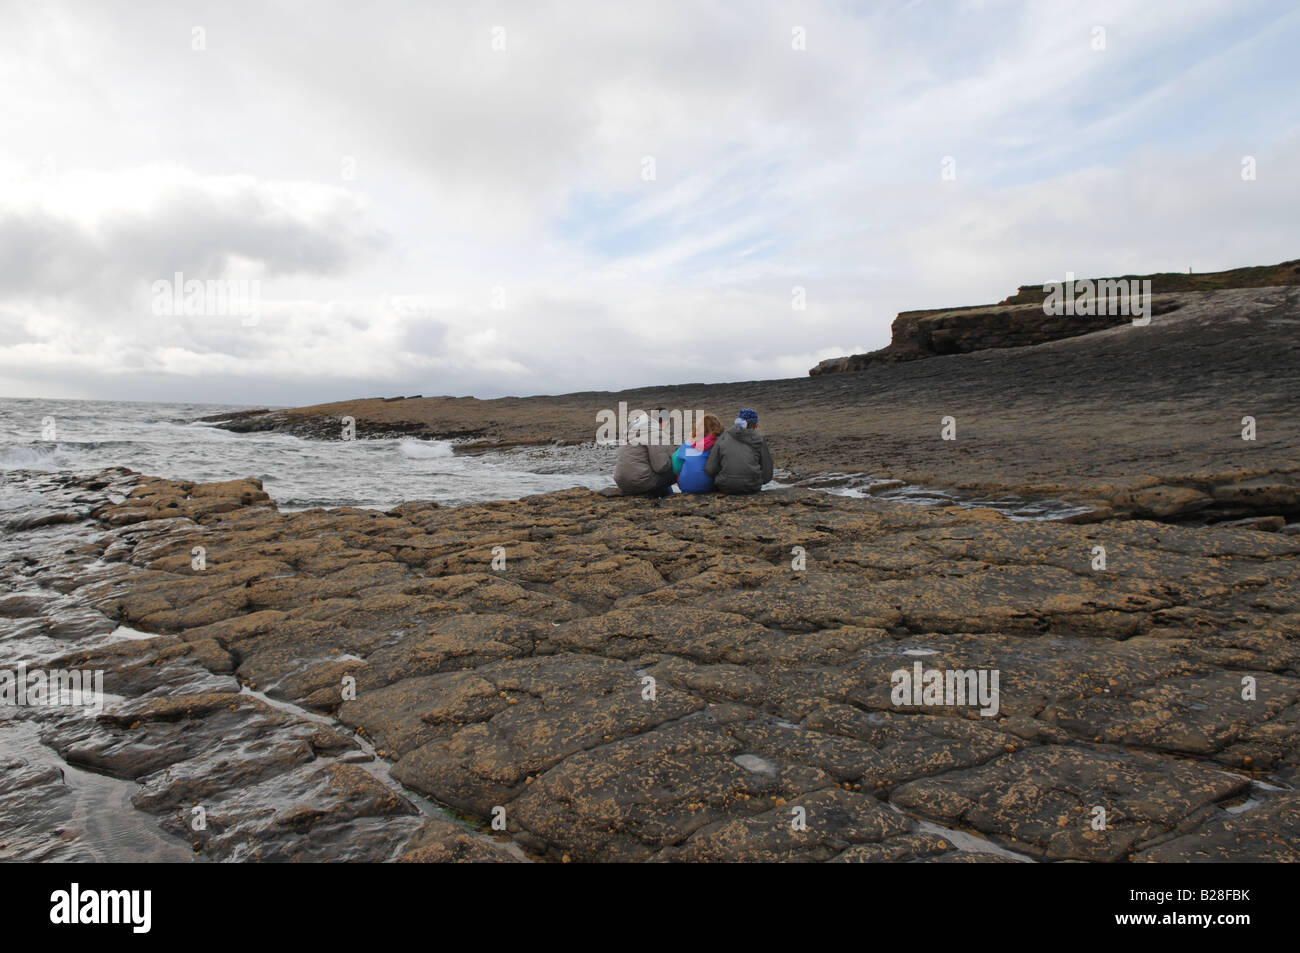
<point x="740" y="461"/>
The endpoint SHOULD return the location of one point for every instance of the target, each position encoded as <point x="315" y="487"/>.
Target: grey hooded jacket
<point x="740" y="461"/>
<point x="645" y="462"/>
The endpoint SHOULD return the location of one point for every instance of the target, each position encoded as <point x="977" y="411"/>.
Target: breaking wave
<point x="414" y="449"/>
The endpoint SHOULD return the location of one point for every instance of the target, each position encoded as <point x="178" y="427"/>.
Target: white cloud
<point x="130" y="155"/>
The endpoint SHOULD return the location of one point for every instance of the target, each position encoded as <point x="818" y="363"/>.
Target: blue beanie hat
<point x="749" y="416"/>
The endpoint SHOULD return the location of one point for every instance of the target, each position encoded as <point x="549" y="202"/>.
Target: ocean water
<point x="160" y="440"/>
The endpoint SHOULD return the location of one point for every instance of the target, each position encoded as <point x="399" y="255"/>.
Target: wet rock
<point x="152" y="733"/>
<point x="36" y="812"/>
<point x="635" y="796"/>
<point x="898" y="849"/>
<point x="139" y="666"/>
<point x="23" y="607"/>
<point x="1260" y="493"/>
<point x="334" y="812"/>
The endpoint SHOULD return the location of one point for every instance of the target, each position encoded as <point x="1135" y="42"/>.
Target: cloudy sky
<point x="492" y="198"/>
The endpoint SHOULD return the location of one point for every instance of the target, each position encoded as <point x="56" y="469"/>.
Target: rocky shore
<point x="697" y="678"/>
<point x="1131" y="421"/>
<point x="583" y="677"/>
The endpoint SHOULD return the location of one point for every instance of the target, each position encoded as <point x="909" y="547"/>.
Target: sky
<point x="497" y="199"/>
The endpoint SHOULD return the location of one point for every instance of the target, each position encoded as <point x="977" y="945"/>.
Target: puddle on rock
<point x="965" y="841"/>
<point x="54" y="811"/>
<point x="1011" y="505"/>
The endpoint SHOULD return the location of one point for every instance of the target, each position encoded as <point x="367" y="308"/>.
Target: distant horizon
<point x="382" y="391"/>
<point x="567" y="199"/>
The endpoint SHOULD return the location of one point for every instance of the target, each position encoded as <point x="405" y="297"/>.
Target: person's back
<point x="645" y="462"/>
<point x="740" y="461"/>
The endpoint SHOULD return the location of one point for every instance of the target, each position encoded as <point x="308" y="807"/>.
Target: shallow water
<point x="972" y="843"/>
<point x="1011" y="505"/>
<point x="91" y="817"/>
<point x="102" y="824"/>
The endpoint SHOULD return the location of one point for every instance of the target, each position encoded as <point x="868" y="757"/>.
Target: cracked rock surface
<point x="653" y="680"/>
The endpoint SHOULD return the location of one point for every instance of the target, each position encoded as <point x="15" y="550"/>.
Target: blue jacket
<point x="692" y="478"/>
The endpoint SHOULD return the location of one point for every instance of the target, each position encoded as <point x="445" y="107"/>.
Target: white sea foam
<point x="414" y="449"/>
<point x="52" y="457"/>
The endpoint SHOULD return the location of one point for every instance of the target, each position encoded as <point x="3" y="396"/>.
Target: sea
<point x="165" y="440"/>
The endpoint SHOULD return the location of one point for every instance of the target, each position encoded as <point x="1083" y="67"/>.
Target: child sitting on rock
<point x="740" y="461"/>
<point x="690" y="458"/>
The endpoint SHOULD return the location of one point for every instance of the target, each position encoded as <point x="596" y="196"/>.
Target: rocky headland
<point x="1021" y="319"/>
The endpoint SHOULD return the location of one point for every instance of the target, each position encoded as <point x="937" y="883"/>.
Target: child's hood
<point x="745" y="435"/>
